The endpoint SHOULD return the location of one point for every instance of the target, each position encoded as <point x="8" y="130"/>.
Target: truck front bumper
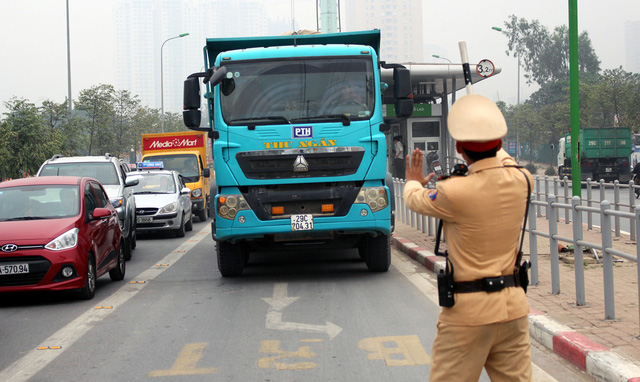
<point x="197" y="204"/>
<point x="354" y="223"/>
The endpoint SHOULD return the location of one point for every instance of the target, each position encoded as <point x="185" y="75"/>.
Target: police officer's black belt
<point x="488" y="284"/>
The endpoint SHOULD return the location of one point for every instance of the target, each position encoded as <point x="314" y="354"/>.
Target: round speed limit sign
<point x="485" y="68"/>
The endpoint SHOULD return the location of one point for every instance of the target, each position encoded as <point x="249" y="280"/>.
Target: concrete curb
<point x="594" y="359"/>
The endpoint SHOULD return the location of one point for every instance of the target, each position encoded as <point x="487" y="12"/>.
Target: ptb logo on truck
<point x="302" y="132"/>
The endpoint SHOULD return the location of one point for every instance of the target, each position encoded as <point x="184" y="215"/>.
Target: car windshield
<point x="186" y="164"/>
<point x="299" y="90"/>
<point x="105" y="173"/>
<point x="39" y="202"/>
<point x="155" y="184"/>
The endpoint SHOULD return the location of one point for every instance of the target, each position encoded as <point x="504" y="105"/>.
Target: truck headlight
<point x="67" y="240"/>
<point x="229" y="205"/>
<point x="197" y="193"/>
<point x="169" y="208"/>
<point x="375" y="197"/>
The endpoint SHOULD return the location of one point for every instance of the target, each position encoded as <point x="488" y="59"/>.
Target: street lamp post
<point x="444" y="58"/>
<point x="162" y="77"/>
<point x="518" y="99"/>
<point x="69" y="62"/>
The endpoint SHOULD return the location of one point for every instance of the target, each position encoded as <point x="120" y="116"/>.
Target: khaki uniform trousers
<point x="460" y="352"/>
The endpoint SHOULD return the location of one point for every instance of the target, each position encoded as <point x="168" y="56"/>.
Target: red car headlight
<point x="67" y="240"/>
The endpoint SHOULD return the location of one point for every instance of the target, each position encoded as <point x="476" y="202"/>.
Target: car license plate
<point x="608" y="169"/>
<point x="14" y="269"/>
<point x="144" y="219"/>
<point x="302" y="222"/>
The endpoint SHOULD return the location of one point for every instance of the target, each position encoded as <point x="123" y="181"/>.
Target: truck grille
<point x="300" y="163"/>
<point x="302" y="199"/>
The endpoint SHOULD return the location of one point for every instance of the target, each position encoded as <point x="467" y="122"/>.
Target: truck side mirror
<point x="403" y="92"/>
<point x="206" y="172"/>
<point x="191" y="99"/>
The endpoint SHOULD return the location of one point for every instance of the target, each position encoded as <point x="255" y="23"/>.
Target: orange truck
<point x="186" y="152"/>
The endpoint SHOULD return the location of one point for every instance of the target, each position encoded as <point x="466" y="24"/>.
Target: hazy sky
<point x="34" y="55"/>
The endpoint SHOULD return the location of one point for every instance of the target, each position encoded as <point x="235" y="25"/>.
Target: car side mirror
<point x="133" y="181"/>
<point x="185" y="191"/>
<point x="100" y="213"/>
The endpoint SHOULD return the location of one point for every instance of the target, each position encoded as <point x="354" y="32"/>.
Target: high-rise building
<point x="141" y="27"/>
<point x="399" y="21"/>
<point x="632" y="46"/>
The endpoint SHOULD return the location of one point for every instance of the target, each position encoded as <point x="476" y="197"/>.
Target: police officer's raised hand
<point x="414" y="170"/>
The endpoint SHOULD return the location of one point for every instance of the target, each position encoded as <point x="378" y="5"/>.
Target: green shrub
<point x="551" y="171"/>
<point x="532" y="168"/>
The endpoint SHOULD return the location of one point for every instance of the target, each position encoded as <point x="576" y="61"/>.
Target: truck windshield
<point x="287" y="91"/>
<point x="185" y="164"/>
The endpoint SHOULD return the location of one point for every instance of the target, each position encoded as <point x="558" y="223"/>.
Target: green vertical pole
<point x="574" y="93"/>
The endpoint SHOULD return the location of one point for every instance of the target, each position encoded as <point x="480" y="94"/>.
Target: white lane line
<point x="34" y="361"/>
<point x="415" y="273"/>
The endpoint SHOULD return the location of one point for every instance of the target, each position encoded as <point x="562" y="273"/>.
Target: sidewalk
<point x="608" y="350"/>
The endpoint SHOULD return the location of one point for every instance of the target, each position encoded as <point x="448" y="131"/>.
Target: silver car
<point x="163" y="202"/>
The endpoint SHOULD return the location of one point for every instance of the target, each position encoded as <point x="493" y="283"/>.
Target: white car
<point x="163" y="202"/>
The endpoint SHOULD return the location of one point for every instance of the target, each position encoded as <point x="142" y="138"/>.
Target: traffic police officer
<point x="483" y="214"/>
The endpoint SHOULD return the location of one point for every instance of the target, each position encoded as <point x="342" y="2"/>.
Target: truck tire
<point x="231" y="258"/>
<point x="202" y="214"/>
<point x="376" y="252"/>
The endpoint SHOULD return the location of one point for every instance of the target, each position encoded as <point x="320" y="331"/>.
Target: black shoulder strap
<point x="526" y="214"/>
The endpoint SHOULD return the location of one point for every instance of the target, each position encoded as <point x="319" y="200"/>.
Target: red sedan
<point x="58" y="233"/>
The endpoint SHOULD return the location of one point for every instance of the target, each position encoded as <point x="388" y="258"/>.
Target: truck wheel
<point x="231" y="258"/>
<point x="377" y="252"/>
<point x="202" y="214"/>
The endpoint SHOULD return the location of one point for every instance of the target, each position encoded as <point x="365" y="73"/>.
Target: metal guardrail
<point x="574" y="208"/>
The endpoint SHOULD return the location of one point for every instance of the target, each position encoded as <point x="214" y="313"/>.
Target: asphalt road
<point x="323" y="317"/>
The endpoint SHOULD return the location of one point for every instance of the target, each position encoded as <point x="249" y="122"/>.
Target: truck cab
<point x="298" y="144"/>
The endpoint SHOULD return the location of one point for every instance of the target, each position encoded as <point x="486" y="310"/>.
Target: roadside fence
<point x="548" y="201"/>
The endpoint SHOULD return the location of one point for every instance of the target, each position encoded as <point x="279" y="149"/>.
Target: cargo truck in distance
<point x="185" y="152"/>
<point x="604" y="154"/>
<point x="299" y="144"/>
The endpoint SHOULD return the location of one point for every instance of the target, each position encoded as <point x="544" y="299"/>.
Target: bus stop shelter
<point x="434" y="88"/>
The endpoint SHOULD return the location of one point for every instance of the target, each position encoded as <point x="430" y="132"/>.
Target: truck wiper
<point x="260" y="120"/>
<point x="346" y="121"/>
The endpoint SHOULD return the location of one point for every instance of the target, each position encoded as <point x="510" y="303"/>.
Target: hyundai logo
<point x="9" y="248"/>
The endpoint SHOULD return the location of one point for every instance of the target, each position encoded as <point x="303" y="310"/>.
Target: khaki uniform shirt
<point x="483" y="214"/>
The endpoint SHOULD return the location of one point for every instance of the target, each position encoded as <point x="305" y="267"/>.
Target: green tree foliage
<point x="25" y="139"/>
<point x="606" y="99"/>
<point x="125" y="109"/>
<point x="97" y="105"/>
<point x="104" y="120"/>
<point x="613" y="100"/>
<point x="544" y="55"/>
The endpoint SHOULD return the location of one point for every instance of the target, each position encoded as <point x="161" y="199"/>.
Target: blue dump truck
<point x="299" y="144"/>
